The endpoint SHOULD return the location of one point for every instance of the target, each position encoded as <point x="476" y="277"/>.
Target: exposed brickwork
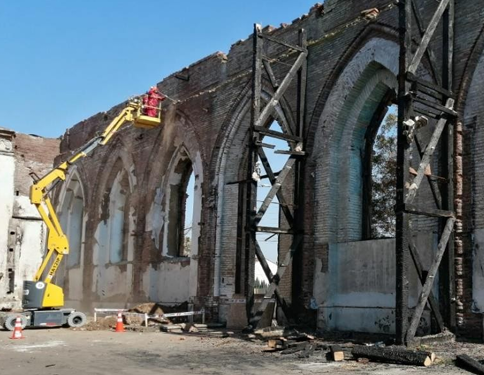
<point x="352" y="60"/>
<point x="23" y="234"/>
<point x="32" y="154"/>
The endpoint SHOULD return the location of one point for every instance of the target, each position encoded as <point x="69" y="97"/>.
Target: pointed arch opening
<point x="379" y="171"/>
<point x="71" y="217"/>
<point x="182" y="198"/>
<point x="114" y="236"/>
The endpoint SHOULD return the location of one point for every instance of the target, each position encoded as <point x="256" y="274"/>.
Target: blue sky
<point x="63" y="61"/>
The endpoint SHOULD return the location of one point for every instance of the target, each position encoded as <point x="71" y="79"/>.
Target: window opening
<point x="269" y="242"/>
<point x="383" y="177"/>
<point x="181" y="204"/>
<point x="188" y="216"/>
<point x="117" y="218"/>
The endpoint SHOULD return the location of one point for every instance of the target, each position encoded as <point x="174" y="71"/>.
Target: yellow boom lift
<point x="43" y="301"/>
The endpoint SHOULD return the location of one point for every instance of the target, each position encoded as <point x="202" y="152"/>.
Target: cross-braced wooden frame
<point x="420" y="102"/>
<point x="285" y="179"/>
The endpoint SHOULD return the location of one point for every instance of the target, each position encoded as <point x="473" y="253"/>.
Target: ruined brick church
<point x="125" y="208"/>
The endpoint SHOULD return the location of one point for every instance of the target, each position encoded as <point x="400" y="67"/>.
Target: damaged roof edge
<point x="170" y="84"/>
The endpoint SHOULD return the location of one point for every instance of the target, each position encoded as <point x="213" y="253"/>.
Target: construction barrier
<point x="147" y="316"/>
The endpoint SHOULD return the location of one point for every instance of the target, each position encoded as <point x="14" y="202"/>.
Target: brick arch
<point x="168" y="144"/>
<point x="471" y="67"/>
<point x="229" y="164"/>
<point x="473" y="186"/>
<point x="371" y="32"/>
<point x="335" y="184"/>
<point x="340" y="133"/>
<point x="72" y="216"/>
<point x="116" y="195"/>
<point x="180" y="164"/>
<point x="117" y="180"/>
<point x="178" y="135"/>
<point x="177" y="129"/>
<point x="118" y="168"/>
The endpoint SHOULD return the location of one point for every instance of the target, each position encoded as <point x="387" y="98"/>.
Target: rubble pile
<point x="105" y="323"/>
<point x="286" y="341"/>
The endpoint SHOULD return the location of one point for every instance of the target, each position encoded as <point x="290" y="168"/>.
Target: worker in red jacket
<point x="151" y="101"/>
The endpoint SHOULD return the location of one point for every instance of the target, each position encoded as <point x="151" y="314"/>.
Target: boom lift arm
<point x="41" y="293"/>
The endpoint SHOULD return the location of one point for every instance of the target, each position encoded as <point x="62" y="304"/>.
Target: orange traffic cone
<point x="119" y="323"/>
<point x="17" y="332"/>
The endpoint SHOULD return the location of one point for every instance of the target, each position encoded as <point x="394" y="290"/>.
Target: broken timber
<point x="394" y="355"/>
<point x="262" y="116"/>
<point x="470" y="364"/>
<point x="337" y="353"/>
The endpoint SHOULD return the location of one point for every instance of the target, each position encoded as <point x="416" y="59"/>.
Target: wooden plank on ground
<point x="393" y="355"/>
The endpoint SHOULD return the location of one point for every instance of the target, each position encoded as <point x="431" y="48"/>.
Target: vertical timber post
<point x="440" y="98"/>
<point x="284" y="183"/>
<point x="251" y="198"/>
<point x="297" y="283"/>
<point x="448" y="272"/>
<point x="403" y="153"/>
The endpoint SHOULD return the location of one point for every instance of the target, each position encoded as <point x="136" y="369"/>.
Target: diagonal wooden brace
<point x="429" y="281"/>
<point x="275" y="188"/>
<point x="427" y="156"/>
<point x="283" y="118"/>
<point x="281" y="269"/>
<point x="272" y="179"/>
<point x="434" y="305"/>
<point x="417" y="57"/>
<point x="433" y="184"/>
<point x="270" y="276"/>
<point x="430" y="53"/>
<point x="269" y="108"/>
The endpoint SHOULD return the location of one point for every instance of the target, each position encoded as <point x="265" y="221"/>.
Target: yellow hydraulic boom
<point x="41" y="293"/>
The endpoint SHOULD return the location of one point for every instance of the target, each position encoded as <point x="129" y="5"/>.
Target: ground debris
<point x="394" y="355"/>
<point x="148" y="308"/>
<point x="287" y="341"/>
<point x="469" y="364"/>
<point x="443" y="337"/>
<point x="337" y="353"/>
<point x="277" y="332"/>
<point x="154" y="311"/>
<point x="363" y="360"/>
<point x="103" y="323"/>
<point x="307" y="351"/>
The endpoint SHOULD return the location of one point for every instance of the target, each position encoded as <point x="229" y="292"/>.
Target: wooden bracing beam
<point x="270" y="106"/>
<point x="433" y="303"/>
<point x="275" y="109"/>
<point x="281" y="269"/>
<point x="429" y="281"/>
<point x="429" y="32"/>
<point x="436" y="102"/>
<point x="276" y="186"/>
<point x="429" y="51"/>
<point x="272" y="178"/>
<point x="433" y="185"/>
<point x="427" y="155"/>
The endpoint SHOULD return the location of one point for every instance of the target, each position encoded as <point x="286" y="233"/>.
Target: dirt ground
<point x="65" y="351"/>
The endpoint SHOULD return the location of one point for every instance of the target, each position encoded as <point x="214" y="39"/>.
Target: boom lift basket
<point x="147" y="122"/>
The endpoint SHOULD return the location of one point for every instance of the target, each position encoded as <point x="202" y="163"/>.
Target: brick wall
<point x="346" y="50"/>
<point x="21" y="224"/>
